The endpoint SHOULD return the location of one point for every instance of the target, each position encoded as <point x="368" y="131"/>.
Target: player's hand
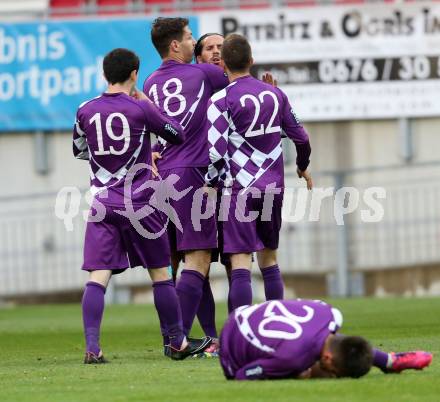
<point x="316" y="371"/>
<point x="307" y="177"/>
<point x="139" y="95"/>
<point x="211" y="191"/>
<point x="154" y="157"/>
<point x="306" y="374"/>
<point x="269" y="79"/>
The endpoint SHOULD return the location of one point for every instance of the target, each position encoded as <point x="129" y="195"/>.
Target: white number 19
<point x="125" y="135"/>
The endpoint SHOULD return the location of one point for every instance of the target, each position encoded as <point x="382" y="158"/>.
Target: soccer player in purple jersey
<point x="298" y="339"/>
<point x="183" y="90"/>
<point x="208" y="49"/>
<point x="112" y="132"/>
<point x="246" y="121"/>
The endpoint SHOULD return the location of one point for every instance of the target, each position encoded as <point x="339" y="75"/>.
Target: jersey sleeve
<point x="218" y="132"/>
<point x="337" y="321"/>
<point x="160" y="124"/>
<point x="265" y="368"/>
<point x="80" y="147"/>
<point x="216" y="76"/>
<point x="296" y="132"/>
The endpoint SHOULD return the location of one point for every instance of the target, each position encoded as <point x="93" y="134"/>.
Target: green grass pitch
<point x="41" y="351"/>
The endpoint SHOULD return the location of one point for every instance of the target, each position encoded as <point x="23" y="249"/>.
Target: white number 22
<point x="252" y="131"/>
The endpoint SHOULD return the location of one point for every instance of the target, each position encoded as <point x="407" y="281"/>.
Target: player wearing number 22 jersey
<point x="246" y="122"/>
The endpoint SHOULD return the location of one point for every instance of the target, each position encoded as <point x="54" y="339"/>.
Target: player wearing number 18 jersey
<point x="112" y="132"/>
<point x="183" y="90"/>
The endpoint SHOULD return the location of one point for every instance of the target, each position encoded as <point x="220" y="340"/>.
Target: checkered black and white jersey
<point x="246" y="121"/>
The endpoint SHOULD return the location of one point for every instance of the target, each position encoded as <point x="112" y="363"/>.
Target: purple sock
<point x="230" y="309"/>
<point x="240" y="292"/>
<point x="168" y="309"/>
<point x="206" y="311"/>
<point x="273" y="283"/>
<point x="189" y="289"/>
<point x="380" y="359"/>
<point x="92" y="310"/>
<point x="164" y="332"/>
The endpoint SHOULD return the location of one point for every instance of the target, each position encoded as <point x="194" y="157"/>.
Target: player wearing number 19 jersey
<point x="299" y="339"/>
<point x="183" y="90"/>
<point x="112" y="132"/>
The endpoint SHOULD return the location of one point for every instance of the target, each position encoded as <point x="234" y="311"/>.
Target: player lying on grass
<point x="112" y="132"/>
<point x="246" y="121"/>
<point x="299" y="339"/>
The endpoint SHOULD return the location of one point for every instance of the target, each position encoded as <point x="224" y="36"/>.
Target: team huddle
<point x="210" y="188"/>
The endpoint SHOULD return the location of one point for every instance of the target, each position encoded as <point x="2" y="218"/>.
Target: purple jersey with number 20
<point x="276" y="339"/>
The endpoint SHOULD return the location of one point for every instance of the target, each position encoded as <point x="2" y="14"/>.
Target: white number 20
<point x="286" y="317"/>
<point x="252" y="131"/>
<point x="125" y="135"/>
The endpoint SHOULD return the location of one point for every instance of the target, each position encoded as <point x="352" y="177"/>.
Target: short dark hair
<point x="165" y="30"/>
<point x="199" y="45"/>
<point x="118" y="65"/>
<point x="352" y="356"/>
<point x="236" y="52"/>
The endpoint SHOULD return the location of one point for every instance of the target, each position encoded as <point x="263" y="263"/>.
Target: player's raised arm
<point x="161" y="124"/>
<point x="80" y="148"/>
<point x="218" y="169"/>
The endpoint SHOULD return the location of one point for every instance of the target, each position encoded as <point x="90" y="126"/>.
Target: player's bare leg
<point x="92" y="310"/>
<point x="228" y="270"/>
<point x="190" y="285"/>
<point x="240" y="292"/>
<point x="273" y="283"/>
<point x="176" y="257"/>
